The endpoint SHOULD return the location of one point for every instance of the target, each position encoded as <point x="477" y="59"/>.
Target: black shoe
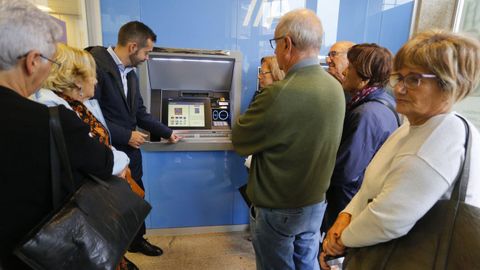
<point x="130" y="265"/>
<point x="144" y="247"/>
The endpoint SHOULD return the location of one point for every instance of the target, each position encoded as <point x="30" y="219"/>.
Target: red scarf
<point x="360" y="95"/>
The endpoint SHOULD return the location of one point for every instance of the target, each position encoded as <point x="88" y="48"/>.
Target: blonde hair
<point x="75" y="65"/>
<point x="271" y="61"/>
<point x="454" y="58"/>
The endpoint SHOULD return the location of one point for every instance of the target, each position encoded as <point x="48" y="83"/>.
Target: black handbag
<point x="93" y="228"/>
<point x="447" y="237"/>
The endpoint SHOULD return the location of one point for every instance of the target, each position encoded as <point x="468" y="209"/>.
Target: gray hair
<point x="304" y="27"/>
<point x="23" y="28"/>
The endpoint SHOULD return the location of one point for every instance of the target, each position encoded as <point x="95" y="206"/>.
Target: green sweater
<point x="293" y="129"/>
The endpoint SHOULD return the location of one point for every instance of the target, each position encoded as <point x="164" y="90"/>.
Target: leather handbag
<point x="447" y="237"/>
<point x="93" y="228"/>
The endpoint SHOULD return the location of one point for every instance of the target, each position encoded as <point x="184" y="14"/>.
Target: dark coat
<point x="25" y="193"/>
<point x="366" y="127"/>
<point x="123" y="113"/>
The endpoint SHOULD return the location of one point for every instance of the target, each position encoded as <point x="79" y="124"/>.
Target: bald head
<point x="337" y="59"/>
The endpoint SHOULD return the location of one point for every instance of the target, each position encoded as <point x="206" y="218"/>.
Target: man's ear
<point x="288" y="42"/>
<point x="132" y="47"/>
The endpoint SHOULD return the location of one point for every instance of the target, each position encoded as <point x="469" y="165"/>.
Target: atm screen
<point x="186" y="114"/>
<point x="190" y="73"/>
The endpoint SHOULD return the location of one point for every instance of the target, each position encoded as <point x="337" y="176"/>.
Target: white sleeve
<point x="248" y="161"/>
<point x="411" y="189"/>
<point x="120" y="161"/>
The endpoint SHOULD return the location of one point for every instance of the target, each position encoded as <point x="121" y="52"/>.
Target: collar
<point x="117" y="60"/>
<point x="304" y="63"/>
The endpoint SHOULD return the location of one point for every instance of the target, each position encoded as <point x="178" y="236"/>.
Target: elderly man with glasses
<point x="337" y="59"/>
<point x="293" y="128"/>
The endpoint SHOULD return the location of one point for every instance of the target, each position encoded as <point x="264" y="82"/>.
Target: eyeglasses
<point x="411" y="81"/>
<point x="261" y="72"/>
<point x="50" y="60"/>
<point x="42" y="56"/>
<point x="273" y="41"/>
<point x="332" y="54"/>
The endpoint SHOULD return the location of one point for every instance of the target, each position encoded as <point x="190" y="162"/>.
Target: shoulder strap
<point x="460" y="190"/>
<point x="389" y="106"/>
<point x="58" y="158"/>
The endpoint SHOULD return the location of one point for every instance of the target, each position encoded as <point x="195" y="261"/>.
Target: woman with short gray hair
<point x="28" y="41"/>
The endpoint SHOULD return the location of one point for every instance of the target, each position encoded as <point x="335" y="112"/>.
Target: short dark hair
<point x="372" y="62"/>
<point x="135" y="31"/>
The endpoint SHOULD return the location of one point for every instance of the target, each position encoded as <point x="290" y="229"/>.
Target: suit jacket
<point x="123" y="113"/>
<point x="25" y="193"/>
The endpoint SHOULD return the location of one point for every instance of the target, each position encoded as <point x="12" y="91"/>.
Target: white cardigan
<point x="49" y="98"/>
<point x="413" y="169"/>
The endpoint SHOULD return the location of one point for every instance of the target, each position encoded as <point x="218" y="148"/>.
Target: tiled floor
<point x="216" y="251"/>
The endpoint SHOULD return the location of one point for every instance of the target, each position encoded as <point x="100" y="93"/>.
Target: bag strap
<point x="459" y="192"/>
<point x="458" y="195"/>
<point x="389" y="106"/>
<point x="58" y="158"/>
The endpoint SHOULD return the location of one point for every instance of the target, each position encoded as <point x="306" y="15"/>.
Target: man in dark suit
<point x="122" y="105"/>
<point x="25" y="178"/>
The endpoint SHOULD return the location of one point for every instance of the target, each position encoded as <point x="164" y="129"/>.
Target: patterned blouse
<point x="97" y="129"/>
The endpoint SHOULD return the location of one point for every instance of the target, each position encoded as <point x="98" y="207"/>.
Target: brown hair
<point x="454" y="58"/>
<point x="135" y="31"/>
<point x="372" y="62"/>
<point x="277" y="73"/>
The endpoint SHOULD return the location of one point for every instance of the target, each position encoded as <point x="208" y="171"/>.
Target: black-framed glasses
<point x="411" y="80"/>
<point x="43" y="57"/>
<point x="261" y="72"/>
<point x="273" y="41"/>
<point x="332" y="54"/>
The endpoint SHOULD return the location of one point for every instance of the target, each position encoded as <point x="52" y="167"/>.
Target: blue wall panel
<point x="370" y="21"/>
<point x="394" y="31"/>
<point x="189" y="189"/>
<point x="114" y="15"/>
<point x="352" y="20"/>
<point x="192" y="24"/>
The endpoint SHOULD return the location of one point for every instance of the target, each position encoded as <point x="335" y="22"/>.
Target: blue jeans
<point x="286" y="238"/>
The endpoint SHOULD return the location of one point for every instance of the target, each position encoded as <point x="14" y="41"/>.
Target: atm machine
<point x="197" y="94"/>
<point x="193" y="184"/>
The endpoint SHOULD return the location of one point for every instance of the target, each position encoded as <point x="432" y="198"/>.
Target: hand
<point x="333" y="244"/>
<point x="174" y="138"/>
<point x="323" y="264"/>
<point x="137" y="138"/>
<point x="123" y="173"/>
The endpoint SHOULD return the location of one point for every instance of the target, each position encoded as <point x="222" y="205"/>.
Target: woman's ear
<point x="78" y="84"/>
<point x="32" y="61"/>
<point x="364" y="83"/>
